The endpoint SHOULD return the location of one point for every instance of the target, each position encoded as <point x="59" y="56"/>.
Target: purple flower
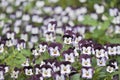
<point x="46" y="71"/>
<point x="87" y="72"/>
<point x="43" y="47"/>
<point x="15" y="73"/>
<point x="69" y="55"/>
<point x="101" y="61"/>
<point x="28" y="70"/>
<point x="85" y="60"/>
<point x="54" y="49"/>
<point x="58" y="76"/>
<point x="65" y="67"/>
<point x="51" y="27"/>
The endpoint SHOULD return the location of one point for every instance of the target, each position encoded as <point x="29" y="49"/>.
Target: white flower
<point x="54" y="51"/>
<point x="110" y="69"/>
<point x="87" y="73"/>
<point x="86" y="62"/>
<point x="68" y="40"/>
<point x="99" y="9"/>
<point x="25" y="17"/>
<point x="1" y="75"/>
<point x="87" y="50"/>
<point x="1" y="48"/>
<point x="112" y="50"/>
<point x="42" y="48"/>
<point x="14" y="74"/>
<point x="101" y="61"/>
<point x="40" y="4"/>
<point x="82" y="1"/>
<point x="117" y="29"/>
<point x="69" y="57"/>
<point x="65" y="69"/>
<point x="29" y="72"/>
<point x="100" y="53"/>
<point x="46" y="72"/>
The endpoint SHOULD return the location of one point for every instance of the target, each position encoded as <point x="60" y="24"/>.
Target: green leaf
<point x="75" y="77"/>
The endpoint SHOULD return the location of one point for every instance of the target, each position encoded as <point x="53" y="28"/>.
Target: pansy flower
<point x="42" y="47"/>
<point x="69" y="55"/>
<point x="58" y="76"/>
<point x="110" y="68"/>
<point x="15" y="73"/>
<point x="26" y="62"/>
<point x="2" y="73"/>
<point x="114" y="63"/>
<point x="111" y="49"/>
<point x="118" y="49"/>
<point x="86" y="48"/>
<point x="5" y="67"/>
<point x="99" y="8"/>
<point x="10" y="35"/>
<point x="21" y="45"/>
<point x="37" y="69"/>
<point x="51" y="27"/>
<point x="28" y="70"/>
<point x="46" y="71"/>
<point x="99" y="51"/>
<point x="101" y="61"/>
<point x="35" y="52"/>
<point x="50" y="62"/>
<point x="8" y="42"/>
<point x="65" y="67"/>
<point x="85" y="60"/>
<point x="87" y="72"/>
<point x="54" y="49"/>
<point x="78" y="37"/>
<point x="34" y="38"/>
<point x="50" y="36"/>
<point x="1" y="47"/>
<point x="24" y="36"/>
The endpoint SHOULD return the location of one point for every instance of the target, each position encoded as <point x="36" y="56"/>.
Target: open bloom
<point x="58" y="76"/>
<point x="2" y="74"/>
<point x="50" y="36"/>
<point x="1" y="47"/>
<point x="46" y="71"/>
<point x="51" y="26"/>
<point x="110" y="68"/>
<point x="54" y="49"/>
<point x="101" y="61"/>
<point x="112" y="49"/>
<point x="28" y="70"/>
<point x="69" y="55"/>
<point x="42" y="47"/>
<point x="87" y="72"/>
<point x="85" y="60"/>
<point x="65" y="67"/>
<point x="99" y="51"/>
<point x="15" y="73"/>
<point x="114" y="63"/>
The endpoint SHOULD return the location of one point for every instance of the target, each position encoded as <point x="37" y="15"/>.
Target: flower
<point x="111" y="49"/>
<point x="1" y="73"/>
<point x="69" y="55"/>
<point x="99" y="8"/>
<point x="101" y="61"/>
<point x="58" y="76"/>
<point x="1" y="47"/>
<point x="54" y="49"/>
<point x="110" y="68"/>
<point x="28" y="70"/>
<point x="37" y="69"/>
<point x="65" y="67"/>
<point x="85" y="60"/>
<point x="35" y="52"/>
<point x="99" y="51"/>
<point x="15" y="73"/>
<point x="114" y="63"/>
<point x="46" y="71"/>
<point x="87" y="72"/>
<point x="21" y="45"/>
<point x="51" y="26"/>
<point x="42" y="47"/>
<point x="50" y="36"/>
